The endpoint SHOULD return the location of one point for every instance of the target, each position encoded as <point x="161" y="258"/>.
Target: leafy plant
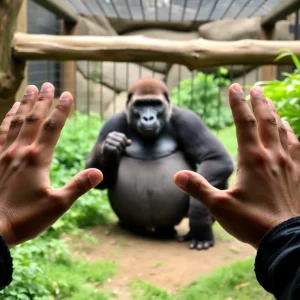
<point x="203" y="94"/>
<point x="286" y="93"/>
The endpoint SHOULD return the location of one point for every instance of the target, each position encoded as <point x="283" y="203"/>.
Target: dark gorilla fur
<point x="140" y="149"/>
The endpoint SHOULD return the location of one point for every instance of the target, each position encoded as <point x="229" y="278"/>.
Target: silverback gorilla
<point x="139" y="151"/>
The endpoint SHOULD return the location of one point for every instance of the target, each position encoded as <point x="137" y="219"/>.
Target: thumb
<point x="196" y="186"/>
<point x="79" y="185"/>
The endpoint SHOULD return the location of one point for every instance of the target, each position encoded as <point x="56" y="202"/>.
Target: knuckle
<point x="218" y="204"/>
<point x="270" y="120"/>
<point x="256" y="156"/>
<point x="17" y="121"/>
<point x="282" y="158"/>
<point x="282" y="130"/>
<point x="80" y="185"/>
<point x="3" y="131"/>
<point x="50" y="125"/>
<point x="60" y="107"/>
<point x="9" y="114"/>
<point x="32" y="118"/>
<point x="247" y="121"/>
<point x="59" y="203"/>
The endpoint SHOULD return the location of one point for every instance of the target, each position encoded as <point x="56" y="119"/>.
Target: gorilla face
<point x="148" y="116"/>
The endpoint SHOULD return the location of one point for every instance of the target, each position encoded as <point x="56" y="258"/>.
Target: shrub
<point x="204" y="96"/>
<point x="286" y="93"/>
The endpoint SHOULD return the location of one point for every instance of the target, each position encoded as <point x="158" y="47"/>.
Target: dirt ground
<point x="164" y="263"/>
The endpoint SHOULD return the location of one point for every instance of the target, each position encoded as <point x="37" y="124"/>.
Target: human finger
<point x="35" y="118"/>
<point x="267" y="126"/>
<point x="28" y="100"/>
<point x="245" y="122"/>
<point x="6" y="123"/>
<point x="53" y="125"/>
<point x="196" y="186"/>
<point x="78" y="185"/>
<point x="294" y="145"/>
<point x="281" y="128"/>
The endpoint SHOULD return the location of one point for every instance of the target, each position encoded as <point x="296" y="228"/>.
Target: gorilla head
<point x="148" y="107"/>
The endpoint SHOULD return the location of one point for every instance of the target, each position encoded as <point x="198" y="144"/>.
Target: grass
<point x="233" y="282"/>
<point x="79" y="279"/>
<point x="228" y="138"/>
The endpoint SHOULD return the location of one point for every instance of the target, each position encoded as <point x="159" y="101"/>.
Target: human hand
<point x="267" y="187"/>
<point x="28" y="203"/>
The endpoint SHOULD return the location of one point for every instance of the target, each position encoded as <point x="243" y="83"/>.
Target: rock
<point x="91" y="96"/>
<point x="176" y="74"/>
<point x="238" y="29"/>
<point x="88" y="26"/>
<point x="118" y="76"/>
<point x="125" y="25"/>
<point x="117" y="105"/>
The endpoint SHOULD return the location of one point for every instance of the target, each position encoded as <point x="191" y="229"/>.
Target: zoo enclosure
<point x="92" y="93"/>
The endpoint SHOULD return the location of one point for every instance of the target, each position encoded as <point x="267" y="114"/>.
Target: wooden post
<point x="268" y="71"/>
<point x="22" y="27"/>
<point x="68" y="68"/>
<point x="11" y="70"/>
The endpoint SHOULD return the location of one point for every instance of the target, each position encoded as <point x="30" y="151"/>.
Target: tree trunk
<point x="194" y="54"/>
<point x="11" y="70"/>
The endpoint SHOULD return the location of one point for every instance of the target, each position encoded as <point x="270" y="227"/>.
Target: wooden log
<point x="280" y="12"/>
<point x="11" y="71"/>
<point x="194" y="54"/>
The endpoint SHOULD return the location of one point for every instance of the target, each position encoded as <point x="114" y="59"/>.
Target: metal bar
<point x="101" y="92"/>
<point x="227" y="9"/>
<point x="170" y="11"/>
<point x="115" y="8"/>
<point x="156" y="11"/>
<point x="129" y="11"/>
<point x="212" y="10"/>
<point x="58" y="8"/>
<point x="243" y="7"/>
<point x="142" y="9"/>
<point x="198" y="9"/>
<point x="115" y="93"/>
<point x="183" y="10"/>
<point x="296" y="32"/>
<point x="282" y="10"/>
<point x="258" y="7"/>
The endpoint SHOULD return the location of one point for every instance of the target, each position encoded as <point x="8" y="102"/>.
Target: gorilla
<point x="140" y="149"/>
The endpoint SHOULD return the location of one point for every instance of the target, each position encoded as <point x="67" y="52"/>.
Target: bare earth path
<point x="166" y="264"/>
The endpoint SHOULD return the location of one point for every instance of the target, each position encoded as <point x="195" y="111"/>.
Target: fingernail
<point x="181" y="180"/>
<point x="236" y="87"/>
<point x="46" y="87"/>
<point x="94" y="178"/>
<point x="258" y="90"/>
<point x="286" y="124"/>
<point x="65" y="96"/>
<point x="15" y="106"/>
<point x="30" y="89"/>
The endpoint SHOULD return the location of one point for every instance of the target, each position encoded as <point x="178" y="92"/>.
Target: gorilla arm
<point x="201" y="147"/>
<point x="213" y="162"/>
<point x="96" y="159"/>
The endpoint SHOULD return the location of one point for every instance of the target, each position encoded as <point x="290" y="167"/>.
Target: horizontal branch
<point x="194" y="54"/>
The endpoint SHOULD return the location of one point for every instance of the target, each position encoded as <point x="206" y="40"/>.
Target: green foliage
<point x="142" y="290"/>
<point x="76" y="141"/>
<point x="286" y="93"/>
<point x="204" y="96"/>
<point x="235" y="281"/>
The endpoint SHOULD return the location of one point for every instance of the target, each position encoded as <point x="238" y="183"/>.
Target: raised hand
<point x="267" y="187"/>
<point x="28" y="203"/>
<point x="114" y="145"/>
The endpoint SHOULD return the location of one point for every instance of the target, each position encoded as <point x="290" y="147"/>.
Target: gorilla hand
<point x="114" y="145"/>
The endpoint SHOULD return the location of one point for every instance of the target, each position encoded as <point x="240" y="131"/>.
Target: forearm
<point x="6" y="265"/>
<point x="277" y="264"/>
